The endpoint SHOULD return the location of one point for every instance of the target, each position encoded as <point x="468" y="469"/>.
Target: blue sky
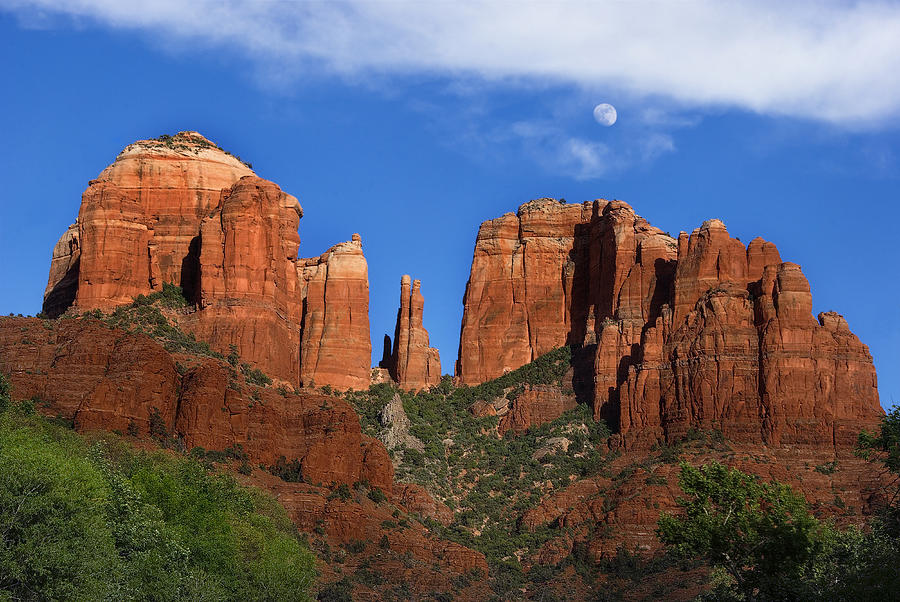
<point x="412" y="123"/>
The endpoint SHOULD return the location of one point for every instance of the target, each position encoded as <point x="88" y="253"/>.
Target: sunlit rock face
<point x="412" y="364"/>
<point x="336" y="346"/>
<point x="695" y="332"/>
<point x="139" y="219"/>
<point x="180" y="210"/>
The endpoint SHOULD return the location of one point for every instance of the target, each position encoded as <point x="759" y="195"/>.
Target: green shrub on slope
<point x="105" y="521"/>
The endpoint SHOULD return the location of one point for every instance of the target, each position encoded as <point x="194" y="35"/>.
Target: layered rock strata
<point x="248" y="288"/>
<point x="413" y="364"/>
<point x="138" y="220"/>
<point x="519" y="296"/>
<point x="180" y="210"/>
<point x="335" y="347"/>
<point x="102" y="378"/>
<point x="698" y="332"/>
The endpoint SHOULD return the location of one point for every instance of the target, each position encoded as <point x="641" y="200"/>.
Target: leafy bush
<point x="377" y="495"/>
<point x="4" y="392"/>
<point x="255" y="376"/>
<point x="828" y="468"/>
<point x="292" y="471"/>
<point x="761" y="534"/>
<point x="341" y="492"/>
<point x="339" y="591"/>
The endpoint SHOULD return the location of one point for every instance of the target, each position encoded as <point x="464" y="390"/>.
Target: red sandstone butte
<point x="519" y="295"/>
<point x="138" y="220"/>
<point x="181" y="210"/>
<point x="413" y="364"/>
<point x="336" y="348"/>
<point x="701" y="332"/>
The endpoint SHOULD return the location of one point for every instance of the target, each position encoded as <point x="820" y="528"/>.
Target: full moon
<point x="605" y="114"/>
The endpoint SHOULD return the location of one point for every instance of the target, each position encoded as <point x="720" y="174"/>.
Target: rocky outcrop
<point x="336" y="348"/>
<point x="62" y="284"/>
<point x="534" y="406"/>
<point x="519" y="297"/>
<point x="701" y="332"/>
<point x="395" y="426"/>
<point x="138" y="221"/>
<point x="746" y="356"/>
<point x="248" y="288"/>
<point x="413" y="364"/>
<point x="607" y="514"/>
<point x="180" y="210"/>
<point x="416" y="499"/>
<point x="103" y="378"/>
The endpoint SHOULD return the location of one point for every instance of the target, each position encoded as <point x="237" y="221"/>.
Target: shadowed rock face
<point x="180" y="210"/>
<point x="701" y="332"/>
<point x="412" y="363"/>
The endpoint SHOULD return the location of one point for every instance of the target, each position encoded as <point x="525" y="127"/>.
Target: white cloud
<point x="557" y="151"/>
<point x="831" y="61"/>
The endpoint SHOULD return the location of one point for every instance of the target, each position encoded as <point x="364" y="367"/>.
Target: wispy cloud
<point x="558" y="151"/>
<point x="830" y="61"/>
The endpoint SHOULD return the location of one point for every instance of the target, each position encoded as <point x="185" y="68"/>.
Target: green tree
<point x="51" y="512"/>
<point x="761" y="534"/>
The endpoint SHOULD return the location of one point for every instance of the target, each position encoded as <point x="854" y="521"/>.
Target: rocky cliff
<point x="248" y="290"/>
<point x="180" y="210"/>
<point x="698" y="332"/>
<point x="520" y="296"/>
<point x="104" y="378"/>
<point x="413" y="364"/>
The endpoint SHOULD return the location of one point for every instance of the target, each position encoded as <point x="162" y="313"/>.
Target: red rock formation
<point x="138" y="220"/>
<point x="62" y="284"/>
<point x="180" y="210"/>
<point x="622" y="512"/>
<point x="518" y="298"/>
<point x="249" y="290"/>
<point x="534" y="406"/>
<point x="747" y="356"/>
<point x="101" y="378"/>
<point x="698" y="333"/>
<point x="413" y="364"/>
<point x="336" y="348"/>
<point x="416" y="499"/>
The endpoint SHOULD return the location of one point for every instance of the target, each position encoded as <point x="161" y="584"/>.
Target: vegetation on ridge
<point x="490" y="481"/>
<point x="173" y="143"/>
